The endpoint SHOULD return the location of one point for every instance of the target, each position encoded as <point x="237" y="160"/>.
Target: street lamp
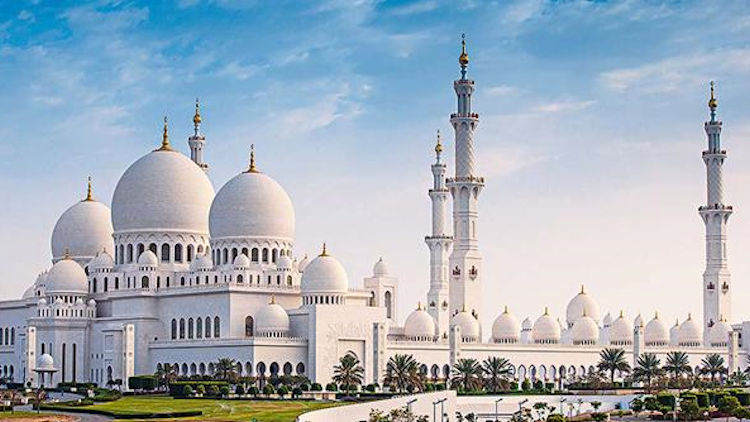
<point x="562" y="402"/>
<point x="520" y="406"/>
<point x="409" y="403"/>
<point x="434" y="407"/>
<point x="496" y="402"/>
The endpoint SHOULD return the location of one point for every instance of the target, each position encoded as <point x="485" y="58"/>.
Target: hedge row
<point x="144" y="415"/>
<point x="178" y="389"/>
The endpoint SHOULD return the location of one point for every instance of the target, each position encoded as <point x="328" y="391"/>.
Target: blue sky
<point x="590" y="135"/>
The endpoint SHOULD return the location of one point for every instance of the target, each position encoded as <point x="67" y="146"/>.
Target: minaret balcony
<point x="721" y="152"/>
<point x="715" y="208"/>
<point x="464" y="115"/>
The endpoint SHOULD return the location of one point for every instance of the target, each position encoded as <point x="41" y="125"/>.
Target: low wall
<point x="361" y="411"/>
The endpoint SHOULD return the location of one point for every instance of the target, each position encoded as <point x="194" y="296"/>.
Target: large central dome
<point x="252" y="204"/>
<point x="162" y="191"/>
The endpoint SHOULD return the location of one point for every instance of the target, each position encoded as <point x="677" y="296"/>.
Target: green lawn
<point x="215" y="410"/>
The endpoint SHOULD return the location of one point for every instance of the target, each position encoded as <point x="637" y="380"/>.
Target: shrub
<point x="332" y="387"/>
<point x="741" y="413"/>
<point x="253" y="390"/>
<point x="636" y="404"/>
<point x="728" y="404"/>
<point x="316" y="387"/>
<point x="689" y="410"/>
<point x="304" y="387"/>
<point x="429" y="387"/>
<point x="555" y="417"/>
<point x="213" y="390"/>
<point x="268" y="389"/>
<point x="666" y="400"/>
<point x="549" y="386"/>
<point x="702" y="399"/>
<point x="224" y="390"/>
<point x="296" y="392"/>
<point x="650" y="403"/>
<point x="240" y="390"/>
<point x="143" y="382"/>
<point x="283" y="390"/>
<point x="440" y="387"/>
<point x="371" y="387"/>
<point x="187" y="391"/>
<point x="200" y="389"/>
<point x="526" y="385"/>
<point x="538" y="385"/>
<point x="743" y="397"/>
<point x="599" y="416"/>
<point x="513" y="386"/>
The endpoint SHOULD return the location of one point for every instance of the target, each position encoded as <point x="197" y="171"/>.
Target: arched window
<point x="109" y="373"/>
<point x="190" y="253"/>
<point x="274" y="255"/>
<point x="190" y="328"/>
<point x="234" y="254"/>
<point x="217" y="327"/>
<point x="174" y="329"/>
<point x="254" y="255"/>
<point x="278" y="280"/>
<point x="144" y="282"/>
<point x="249" y="326"/>
<point x="289" y="280"/>
<point x="165" y="252"/>
<point x="287" y="368"/>
<point x="152" y="248"/>
<point x="93" y="285"/>
<point x="117" y="283"/>
<point x="265" y="255"/>
<point x="274" y="368"/>
<point x="121" y="252"/>
<point x="239" y="278"/>
<point x="182" y="328"/>
<point x="300" y="368"/>
<point x="199" y="328"/>
<point x="178" y="253"/>
<point x="261" y="369"/>
<point x="207" y="326"/>
<point x="200" y="249"/>
<point x="130" y="254"/>
<point x="245" y="252"/>
<point x="141" y="249"/>
<point x="106" y="284"/>
<point x="388" y="305"/>
<point x="12" y="335"/>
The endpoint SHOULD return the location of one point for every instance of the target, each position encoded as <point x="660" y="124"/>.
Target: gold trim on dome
<point x="712" y="102"/>
<point x="89" y="196"/>
<point x="439" y="145"/>
<point x="197" y="117"/>
<point x="325" y="251"/>
<point x="252" y="168"/>
<point x="165" y="146"/>
<point x="463" y="59"/>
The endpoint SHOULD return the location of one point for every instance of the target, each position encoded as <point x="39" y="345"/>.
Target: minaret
<point x="197" y="141"/>
<point x="715" y="214"/>
<point x="439" y="243"/>
<point x="465" y="261"/>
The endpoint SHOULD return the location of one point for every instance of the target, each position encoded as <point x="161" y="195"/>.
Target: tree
<point x="647" y="368"/>
<point x="165" y="374"/>
<point x="496" y="372"/>
<point x="467" y="374"/>
<point x="349" y="372"/>
<point x="402" y="371"/>
<point x="677" y="364"/>
<point x="226" y="369"/>
<point x="612" y="360"/>
<point x="37" y="398"/>
<point x="738" y="378"/>
<point x="713" y="364"/>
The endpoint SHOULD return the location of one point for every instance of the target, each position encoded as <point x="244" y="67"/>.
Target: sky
<point x="590" y="134"/>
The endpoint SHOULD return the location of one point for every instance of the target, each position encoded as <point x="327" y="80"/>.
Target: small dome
<point x="241" y="261"/>
<point x="41" y="302"/>
<point x="673" y="332"/>
<point x="468" y="324"/>
<point x="45" y="362"/>
<point x="148" y="259"/>
<point x="284" y="263"/>
<point x="30" y="292"/>
<point x="325" y="274"/>
<point x="380" y="269"/>
<point x="607" y="321"/>
<point x="252" y="205"/>
<point x="79" y="301"/>
<point x="58" y="301"/>
<point x="546" y="329"/>
<point x="419" y="325"/>
<point x="638" y="321"/>
<point x="83" y="230"/>
<point x="162" y="191"/>
<point x="718" y="334"/>
<point x="202" y="263"/>
<point x="580" y="304"/>
<point x="91" y="303"/>
<point x="655" y="333"/>
<point x="527" y="325"/>
<point x="272" y="319"/>
<point x="621" y="332"/>
<point x="67" y="276"/>
<point x="303" y="263"/>
<point x="102" y="260"/>
<point x="585" y="331"/>
<point x="506" y="328"/>
<point x="689" y="333"/>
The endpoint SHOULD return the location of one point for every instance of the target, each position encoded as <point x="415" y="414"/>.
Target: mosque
<point x="174" y="273"/>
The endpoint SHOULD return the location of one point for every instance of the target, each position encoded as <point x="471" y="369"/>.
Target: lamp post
<point x="434" y="407"/>
<point x="496" y="402"/>
<point x="562" y="402"/>
<point x="520" y="405"/>
<point x="409" y="403"/>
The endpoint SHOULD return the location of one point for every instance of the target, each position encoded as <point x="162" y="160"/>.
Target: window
<point x="274" y="255"/>
<point x="217" y="327"/>
<point x="265" y="255"/>
<point x="207" y="326"/>
<point x="226" y="256"/>
<point x="190" y="253"/>
<point x="245" y="252"/>
<point x="130" y="254"/>
<point x="165" y="253"/>
<point x="182" y="328"/>
<point x="234" y="254"/>
<point x="178" y="253"/>
<point x="152" y="247"/>
<point x="190" y="327"/>
<point x="199" y="328"/>
<point x="141" y="249"/>
<point x="248" y="326"/>
<point x="121" y="253"/>
<point x="388" y="305"/>
<point x="144" y="282"/>
<point x="106" y="284"/>
<point x="174" y="329"/>
<point x="93" y="285"/>
<point x="239" y="278"/>
<point x="254" y="255"/>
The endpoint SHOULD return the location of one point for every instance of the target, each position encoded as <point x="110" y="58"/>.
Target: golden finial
<point x="273" y="300"/>
<point x="656" y="315"/>
<point x="66" y="254"/>
<point x="419" y="305"/>
<point x="439" y="145"/>
<point x="165" y="138"/>
<point x="621" y="314"/>
<point x="252" y="168"/>
<point x="712" y="103"/>
<point x="505" y="310"/>
<point x="197" y="117"/>
<point x="690" y="316"/>
<point x="463" y="59"/>
<point x="324" y="252"/>
<point x="546" y="311"/>
<point x="582" y="290"/>
<point x="89" y="196"/>
<point x="463" y="307"/>
<point x="584" y="312"/>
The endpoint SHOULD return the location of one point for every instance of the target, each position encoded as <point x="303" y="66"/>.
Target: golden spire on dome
<point x="505" y="310"/>
<point x="439" y="145"/>
<point x="712" y="103"/>
<point x="546" y="311"/>
<point x="66" y="254"/>
<point x="197" y="117"/>
<point x="419" y="305"/>
<point x="252" y="168"/>
<point x="656" y="315"/>
<point x="273" y="300"/>
<point x="621" y="314"/>
<point x="89" y="196"/>
<point x="463" y="59"/>
<point x="324" y="252"/>
<point x="165" y="138"/>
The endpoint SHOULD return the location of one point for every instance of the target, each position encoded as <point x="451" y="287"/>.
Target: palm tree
<point x="402" y="371"/>
<point x="348" y="372"/>
<point x="612" y="360"/>
<point x="738" y="378"/>
<point x="467" y="374"/>
<point x="165" y="374"/>
<point x="226" y="369"/>
<point x="647" y="368"/>
<point x="677" y="364"/>
<point x="713" y="364"/>
<point x="496" y="372"/>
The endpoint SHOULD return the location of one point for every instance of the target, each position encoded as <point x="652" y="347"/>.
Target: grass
<point x="214" y="410"/>
<point x="30" y="416"/>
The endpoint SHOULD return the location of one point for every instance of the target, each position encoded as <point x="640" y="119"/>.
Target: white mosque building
<point x="176" y="273"/>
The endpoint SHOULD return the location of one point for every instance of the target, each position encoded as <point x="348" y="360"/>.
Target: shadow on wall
<point x="421" y="404"/>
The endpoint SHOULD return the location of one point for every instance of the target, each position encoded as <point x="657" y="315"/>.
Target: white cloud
<point x="499" y="90"/>
<point x="239" y="71"/>
<point x="26" y="15"/>
<point x="563" y="106"/>
<point x="414" y="8"/>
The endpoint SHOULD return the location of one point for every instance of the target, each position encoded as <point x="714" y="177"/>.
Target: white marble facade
<point x="178" y="274"/>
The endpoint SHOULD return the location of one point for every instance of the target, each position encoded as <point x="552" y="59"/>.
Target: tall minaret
<point x="465" y="261"/>
<point x="197" y="141"/>
<point x="715" y="214"/>
<point x="439" y="243"/>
